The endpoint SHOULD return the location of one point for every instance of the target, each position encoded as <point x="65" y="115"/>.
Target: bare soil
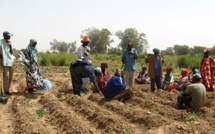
<point x="58" y="111"/>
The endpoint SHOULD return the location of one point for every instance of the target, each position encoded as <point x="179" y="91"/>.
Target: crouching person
<point x="194" y="96"/>
<point x="115" y="89"/>
<point x="81" y="70"/>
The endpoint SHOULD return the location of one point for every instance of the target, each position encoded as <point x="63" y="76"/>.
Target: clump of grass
<point x="192" y="117"/>
<point x="59" y="95"/>
<point x="40" y="112"/>
<point x="126" y="131"/>
<point x="27" y="100"/>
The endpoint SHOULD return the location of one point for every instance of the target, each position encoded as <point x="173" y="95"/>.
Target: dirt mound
<point x="59" y="111"/>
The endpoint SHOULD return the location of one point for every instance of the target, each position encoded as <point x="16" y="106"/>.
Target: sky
<point x="164" y="22"/>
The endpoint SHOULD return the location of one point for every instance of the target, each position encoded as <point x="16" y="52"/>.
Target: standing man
<point x="129" y="57"/>
<point x="207" y="69"/>
<point x="194" y="95"/>
<point x="84" y="51"/>
<point x="155" y="73"/>
<point x="7" y="59"/>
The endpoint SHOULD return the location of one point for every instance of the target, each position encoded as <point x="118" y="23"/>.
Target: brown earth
<point x="59" y="111"/>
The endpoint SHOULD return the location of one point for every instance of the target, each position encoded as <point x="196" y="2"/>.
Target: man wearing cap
<point x="207" y="69"/>
<point x="155" y="63"/>
<point x="7" y="59"/>
<point x="194" y="96"/>
<point x="129" y="57"/>
<point x="84" y="51"/>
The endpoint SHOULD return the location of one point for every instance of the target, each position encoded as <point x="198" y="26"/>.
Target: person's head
<point x="85" y="41"/>
<point x="184" y="72"/>
<point x="206" y="52"/>
<point x="33" y="43"/>
<point x="156" y="51"/>
<point x="168" y="70"/>
<point x="7" y="35"/>
<point x="98" y="71"/>
<point x="196" y="78"/>
<point x="104" y="66"/>
<point x="117" y="73"/>
<point x="195" y="70"/>
<point x="144" y="69"/>
<point x="129" y="46"/>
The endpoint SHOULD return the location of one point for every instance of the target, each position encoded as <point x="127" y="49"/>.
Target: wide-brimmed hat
<point x="85" y="39"/>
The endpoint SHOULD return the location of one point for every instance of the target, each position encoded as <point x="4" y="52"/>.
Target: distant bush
<point x="45" y="61"/>
<point x="188" y="61"/>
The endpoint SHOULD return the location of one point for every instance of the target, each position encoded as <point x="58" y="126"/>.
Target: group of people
<point x="120" y="85"/>
<point x="27" y="57"/>
<point x="193" y="85"/>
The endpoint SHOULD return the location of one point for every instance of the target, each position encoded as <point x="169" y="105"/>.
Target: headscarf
<point x="168" y="68"/>
<point x="85" y="39"/>
<point x="184" y="72"/>
<point x="207" y="50"/>
<point x="104" y="65"/>
<point x="32" y="51"/>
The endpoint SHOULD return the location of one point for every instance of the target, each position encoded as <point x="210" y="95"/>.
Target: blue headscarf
<point x="32" y="51"/>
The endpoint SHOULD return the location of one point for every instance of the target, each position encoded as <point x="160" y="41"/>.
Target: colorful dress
<point x="207" y="70"/>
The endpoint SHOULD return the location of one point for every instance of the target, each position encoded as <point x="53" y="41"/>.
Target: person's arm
<point x="134" y="53"/>
<point x="97" y="87"/>
<point x="80" y="53"/>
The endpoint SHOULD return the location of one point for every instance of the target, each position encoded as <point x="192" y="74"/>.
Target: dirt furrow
<point x="23" y="120"/>
<point x="6" y="117"/>
<point x="132" y="113"/>
<point x="104" y="120"/>
<point x="61" y="116"/>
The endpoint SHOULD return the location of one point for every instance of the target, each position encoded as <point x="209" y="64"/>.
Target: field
<point x="58" y="111"/>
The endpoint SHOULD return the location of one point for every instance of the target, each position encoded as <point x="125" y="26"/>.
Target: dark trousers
<point x="75" y="73"/>
<point x="156" y="80"/>
<point x="183" y="101"/>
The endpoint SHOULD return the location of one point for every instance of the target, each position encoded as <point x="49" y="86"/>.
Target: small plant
<point x="27" y="100"/>
<point x="167" y="114"/>
<point x="40" y="112"/>
<point x="58" y="95"/>
<point x="125" y="131"/>
<point x="192" y="117"/>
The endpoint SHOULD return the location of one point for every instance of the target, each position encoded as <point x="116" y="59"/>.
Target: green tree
<point x="114" y="50"/>
<point x="168" y="51"/>
<point x="181" y="49"/>
<point x="100" y="40"/>
<point x="62" y="47"/>
<point x="137" y="39"/>
<point x="197" y="50"/>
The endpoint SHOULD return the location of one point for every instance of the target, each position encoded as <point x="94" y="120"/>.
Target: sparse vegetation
<point x="40" y="112"/>
<point x="192" y="117"/>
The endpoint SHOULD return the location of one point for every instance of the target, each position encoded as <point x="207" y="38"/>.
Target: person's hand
<point x="85" y="53"/>
<point x="131" y="53"/>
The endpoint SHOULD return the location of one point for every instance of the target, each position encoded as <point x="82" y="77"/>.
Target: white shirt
<point x="7" y="57"/>
<point x="83" y="54"/>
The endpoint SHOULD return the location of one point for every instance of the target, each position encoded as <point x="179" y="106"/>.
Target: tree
<point x="100" y="40"/>
<point x="168" y="51"/>
<point x="62" y="47"/>
<point x="181" y="49"/>
<point x="137" y="39"/>
<point x="197" y="50"/>
<point x="114" y="50"/>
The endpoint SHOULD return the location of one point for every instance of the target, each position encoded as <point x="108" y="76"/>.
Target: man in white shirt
<point x="7" y="59"/>
<point x="83" y="51"/>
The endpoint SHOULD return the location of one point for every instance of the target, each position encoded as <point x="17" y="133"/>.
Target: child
<point x="167" y="80"/>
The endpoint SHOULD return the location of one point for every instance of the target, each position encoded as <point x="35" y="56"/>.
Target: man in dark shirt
<point x="81" y="69"/>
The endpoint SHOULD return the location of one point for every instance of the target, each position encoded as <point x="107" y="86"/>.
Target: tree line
<point x="102" y="38"/>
